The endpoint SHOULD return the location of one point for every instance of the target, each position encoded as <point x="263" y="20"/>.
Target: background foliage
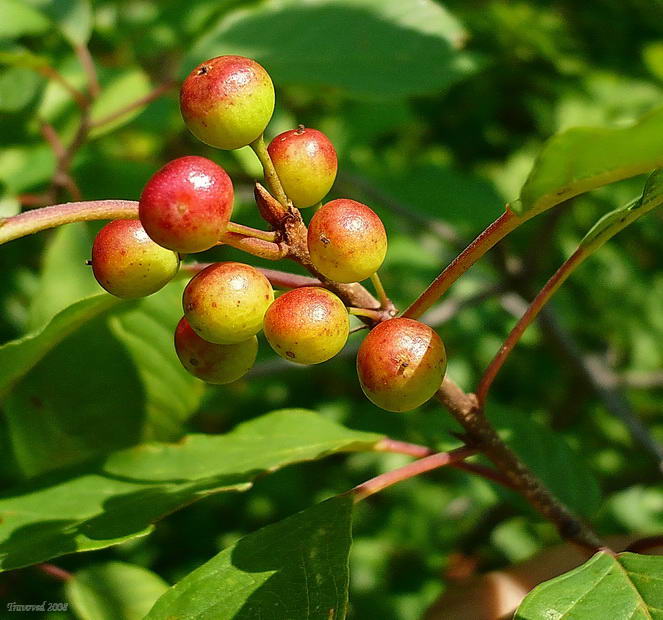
<point x="436" y="113"/>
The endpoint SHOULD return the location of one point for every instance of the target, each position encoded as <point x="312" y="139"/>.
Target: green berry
<point x="225" y="303"/>
<point x="347" y="241"/>
<point x="127" y="263"/>
<point x="213" y="363"/>
<point x="227" y="101"/>
<point x="186" y="205"/>
<point x="307" y="325"/>
<point x="305" y="161"/>
<point x="401" y="364"/>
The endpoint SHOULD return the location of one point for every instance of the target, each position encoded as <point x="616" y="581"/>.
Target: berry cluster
<point x="186" y="206"/>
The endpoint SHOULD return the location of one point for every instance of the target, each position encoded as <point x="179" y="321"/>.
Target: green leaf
<point x="652" y="196"/>
<point x="122" y="90"/>
<point x="606" y="586"/>
<point x="19" y="356"/>
<point x="66" y="251"/>
<point x="583" y="158"/>
<point x="548" y="455"/>
<point x="382" y="48"/>
<point x="72" y="17"/>
<point x="118" y="498"/>
<point x="19" y="19"/>
<point x="297" y="568"/>
<point x="114" y="591"/>
<point x="18" y="86"/>
<point x="55" y="412"/>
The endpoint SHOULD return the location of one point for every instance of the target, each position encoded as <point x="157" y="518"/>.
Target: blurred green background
<point x="437" y="111"/>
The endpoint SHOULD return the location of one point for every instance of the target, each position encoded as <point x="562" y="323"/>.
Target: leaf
<point x="72" y="17"/>
<point x="548" y="455"/>
<point x="18" y="88"/>
<point x="67" y="249"/>
<point x="114" y="591"/>
<point x="652" y="196"/>
<point x="606" y="586"/>
<point x="55" y="412"/>
<point x="19" y="19"/>
<point x="383" y="48"/>
<point x="122" y="90"/>
<point x="19" y="356"/>
<point x="583" y="158"/>
<point x="297" y="568"/>
<point x="117" y="498"/>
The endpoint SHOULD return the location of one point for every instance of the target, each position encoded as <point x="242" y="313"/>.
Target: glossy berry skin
<point x="186" y="205"/>
<point x="305" y="161"/>
<point x="307" y="325"/>
<point x="128" y="264"/>
<point x="347" y="241"/>
<point x="401" y="364"/>
<point x="227" y="101"/>
<point x="214" y="363"/>
<point x="225" y="303"/>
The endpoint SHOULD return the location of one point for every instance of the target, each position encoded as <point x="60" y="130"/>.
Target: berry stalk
<point x="271" y="178"/>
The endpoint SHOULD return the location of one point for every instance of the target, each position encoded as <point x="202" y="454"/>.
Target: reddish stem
<point x="525" y="321"/>
<point x="499" y="229"/>
<point x="428" y="463"/>
<point x="54" y="571"/>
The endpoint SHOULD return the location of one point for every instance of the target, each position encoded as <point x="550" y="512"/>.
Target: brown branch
<point x="481" y="435"/>
<point x="51" y="570"/>
<point x="87" y="62"/>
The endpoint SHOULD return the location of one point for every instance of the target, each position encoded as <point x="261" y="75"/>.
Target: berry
<point x="305" y="161"/>
<point x="307" y="325"/>
<point x="401" y="364"/>
<point x="186" y="205"/>
<point x="127" y="263"/>
<point x="227" y="101"/>
<point x="225" y="303"/>
<point x="214" y="363"/>
<point x="347" y="241"/>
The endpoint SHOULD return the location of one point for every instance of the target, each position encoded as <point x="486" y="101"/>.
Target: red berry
<point x="127" y="263"/>
<point x="214" y="363"/>
<point x="186" y="205"/>
<point x="227" y="101"/>
<point x="307" y="325"/>
<point x="226" y="302"/>
<point x="347" y="241"/>
<point x="305" y="161"/>
<point x="401" y="364"/>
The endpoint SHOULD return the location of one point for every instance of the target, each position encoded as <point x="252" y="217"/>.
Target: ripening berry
<point x="347" y="241"/>
<point x="127" y="263"/>
<point x="305" y="161"/>
<point x="401" y="364"/>
<point x="227" y="101"/>
<point x="186" y="205"/>
<point x="307" y="325"/>
<point x="214" y="363"/>
<point x="225" y="303"/>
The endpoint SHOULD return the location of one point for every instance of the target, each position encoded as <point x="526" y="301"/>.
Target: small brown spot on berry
<point x="202" y="71"/>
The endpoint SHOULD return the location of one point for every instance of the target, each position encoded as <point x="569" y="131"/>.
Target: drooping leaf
<point x="122" y="90"/>
<point x="114" y="591"/>
<point x="297" y="568"/>
<point x="111" y="500"/>
<point x="606" y="586"/>
<point x="365" y="47"/>
<point x="584" y="158"/>
<point x="549" y="456"/>
<point x="19" y="356"/>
